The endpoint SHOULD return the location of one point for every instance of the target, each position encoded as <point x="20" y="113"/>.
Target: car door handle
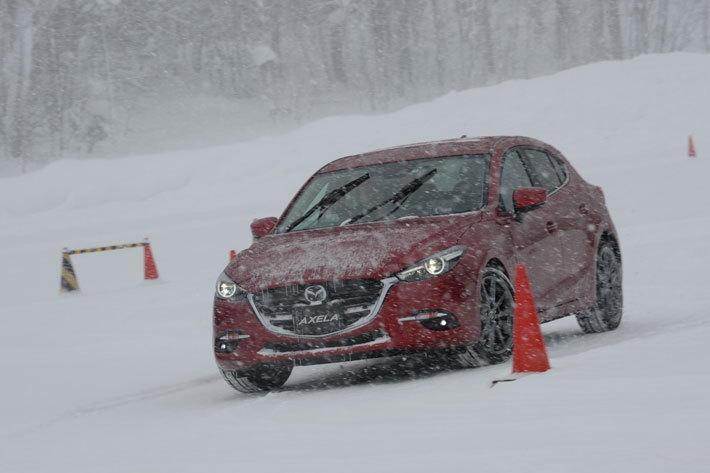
<point x="583" y="209"/>
<point x="551" y="227"/>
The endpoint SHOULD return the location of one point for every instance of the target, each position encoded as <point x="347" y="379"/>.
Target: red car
<point x="412" y="249"/>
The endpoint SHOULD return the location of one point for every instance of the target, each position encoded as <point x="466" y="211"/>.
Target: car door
<point x="535" y="242"/>
<point x="570" y="219"/>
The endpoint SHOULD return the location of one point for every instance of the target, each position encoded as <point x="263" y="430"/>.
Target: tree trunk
<point x="17" y="77"/>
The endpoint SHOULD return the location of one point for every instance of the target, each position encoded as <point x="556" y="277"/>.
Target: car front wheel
<point x="496" y="310"/>
<point x="258" y="378"/>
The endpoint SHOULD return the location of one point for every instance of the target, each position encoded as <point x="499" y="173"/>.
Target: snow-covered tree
<point x="67" y="66"/>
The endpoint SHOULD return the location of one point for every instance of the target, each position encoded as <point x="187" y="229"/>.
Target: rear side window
<point x="545" y="171"/>
<point x="560" y="168"/>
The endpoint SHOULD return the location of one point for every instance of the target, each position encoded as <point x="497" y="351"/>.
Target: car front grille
<point x="347" y="304"/>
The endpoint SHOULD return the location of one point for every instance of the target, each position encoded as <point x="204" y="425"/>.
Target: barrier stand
<point x="69" y="281"/>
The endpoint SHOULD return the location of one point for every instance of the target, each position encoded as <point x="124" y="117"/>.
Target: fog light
<point x="228" y="341"/>
<point x="444" y="320"/>
<point x="433" y="319"/>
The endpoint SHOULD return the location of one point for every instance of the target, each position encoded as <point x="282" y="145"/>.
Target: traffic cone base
<point x="149" y="269"/>
<point x="529" y="354"/>
<point x="691" y="147"/>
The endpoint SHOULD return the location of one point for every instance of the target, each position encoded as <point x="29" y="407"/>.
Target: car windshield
<point x="415" y="188"/>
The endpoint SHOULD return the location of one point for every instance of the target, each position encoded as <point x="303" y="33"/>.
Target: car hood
<point x="370" y="250"/>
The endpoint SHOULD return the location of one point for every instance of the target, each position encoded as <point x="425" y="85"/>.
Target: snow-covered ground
<point x="120" y="377"/>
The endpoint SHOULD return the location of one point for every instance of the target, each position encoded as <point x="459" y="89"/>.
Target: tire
<point x="259" y="378"/>
<point x="610" y="298"/>
<point x="496" y="308"/>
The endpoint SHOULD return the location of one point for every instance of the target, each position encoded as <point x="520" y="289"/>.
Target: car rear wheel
<point x="258" y="378"/>
<point x="496" y="313"/>
<point x="607" y="314"/>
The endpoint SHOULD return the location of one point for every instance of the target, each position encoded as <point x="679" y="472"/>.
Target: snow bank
<point x="121" y="377"/>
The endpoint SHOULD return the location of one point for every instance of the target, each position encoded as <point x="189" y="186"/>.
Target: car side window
<point x="512" y="176"/>
<point x="542" y="171"/>
<point x="560" y="168"/>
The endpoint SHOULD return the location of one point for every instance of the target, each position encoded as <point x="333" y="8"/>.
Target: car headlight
<point x="229" y="290"/>
<point x="436" y="264"/>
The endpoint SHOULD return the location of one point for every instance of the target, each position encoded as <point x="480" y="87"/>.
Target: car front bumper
<point x="433" y="314"/>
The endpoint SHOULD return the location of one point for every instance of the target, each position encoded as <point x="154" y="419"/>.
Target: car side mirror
<point x="526" y="199"/>
<point x="262" y="226"/>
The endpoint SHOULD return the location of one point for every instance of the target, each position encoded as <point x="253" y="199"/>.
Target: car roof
<point x="429" y="149"/>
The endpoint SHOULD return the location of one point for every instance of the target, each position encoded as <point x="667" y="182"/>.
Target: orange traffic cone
<point x="232" y="255"/>
<point x="149" y="269"/>
<point x="529" y="354"/>
<point x="691" y="147"/>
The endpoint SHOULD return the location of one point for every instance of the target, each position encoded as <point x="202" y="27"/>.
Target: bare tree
<point x="68" y="68"/>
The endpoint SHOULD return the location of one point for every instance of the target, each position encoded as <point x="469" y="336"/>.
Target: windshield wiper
<point x="329" y="199"/>
<point x="399" y="197"/>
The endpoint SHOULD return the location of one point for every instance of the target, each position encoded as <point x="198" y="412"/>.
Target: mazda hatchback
<point x="411" y="250"/>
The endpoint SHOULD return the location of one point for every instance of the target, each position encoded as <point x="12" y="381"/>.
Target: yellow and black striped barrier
<point x="69" y="281"/>
<point x="104" y="248"/>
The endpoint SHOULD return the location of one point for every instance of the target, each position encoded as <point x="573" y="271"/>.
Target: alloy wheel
<point x="609" y="292"/>
<point x="496" y="315"/>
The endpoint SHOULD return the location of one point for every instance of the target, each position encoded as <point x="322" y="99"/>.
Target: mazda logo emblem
<point x="315" y="294"/>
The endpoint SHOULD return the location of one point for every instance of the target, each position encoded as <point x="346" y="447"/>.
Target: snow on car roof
<point x="430" y="149"/>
